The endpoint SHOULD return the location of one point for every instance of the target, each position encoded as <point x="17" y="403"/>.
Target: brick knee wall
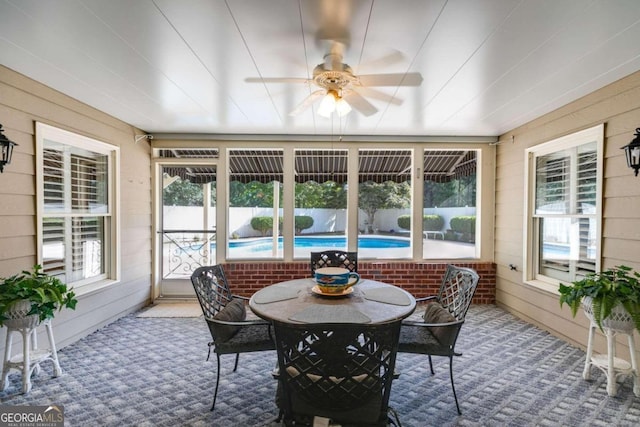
<point x="419" y="278"/>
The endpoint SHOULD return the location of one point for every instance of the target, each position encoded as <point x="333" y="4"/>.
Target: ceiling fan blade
<point x="394" y="79"/>
<point x="376" y="94"/>
<point x="276" y="80"/>
<point x="306" y="103"/>
<point x="358" y="102"/>
<point x="392" y="58"/>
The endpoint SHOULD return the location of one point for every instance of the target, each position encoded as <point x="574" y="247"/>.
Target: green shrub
<point x="263" y="224"/>
<point x="450" y="235"/>
<point x="429" y="222"/>
<point x="302" y="222"/>
<point x="465" y="225"/>
<point x="404" y="222"/>
<point x="432" y="222"/>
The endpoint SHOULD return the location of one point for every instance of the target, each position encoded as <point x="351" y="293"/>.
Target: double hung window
<point x="563" y="229"/>
<point x="76" y="193"/>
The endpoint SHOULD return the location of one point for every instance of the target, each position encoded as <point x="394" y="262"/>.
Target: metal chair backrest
<point x="334" y="258"/>
<point x="212" y="289"/>
<point x="457" y="289"/>
<point x="339" y="371"/>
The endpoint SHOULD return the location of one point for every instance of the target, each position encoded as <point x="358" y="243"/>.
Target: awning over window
<point x="255" y="165"/>
<point x="384" y="165"/>
<point x="445" y="165"/>
<point x="321" y="166"/>
<point x="194" y="174"/>
<point x="327" y="165"/>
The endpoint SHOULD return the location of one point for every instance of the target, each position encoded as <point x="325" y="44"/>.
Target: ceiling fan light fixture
<point x="342" y="107"/>
<point x="327" y="105"/>
<point x="333" y="102"/>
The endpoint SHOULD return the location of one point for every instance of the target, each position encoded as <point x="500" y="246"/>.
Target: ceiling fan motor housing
<point x="333" y="79"/>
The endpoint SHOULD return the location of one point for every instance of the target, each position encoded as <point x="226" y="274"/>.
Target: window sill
<point x="93" y="288"/>
<point x="544" y="286"/>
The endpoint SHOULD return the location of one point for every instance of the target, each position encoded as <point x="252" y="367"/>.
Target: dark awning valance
<point x="194" y="174"/>
<point x="384" y="165"/>
<point x="445" y="165"/>
<point x="327" y="165"/>
<point x="321" y="166"/>
<point x="256" y="165"/>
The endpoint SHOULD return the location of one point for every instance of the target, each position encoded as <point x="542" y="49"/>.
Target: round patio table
<point x="299" y="301"/>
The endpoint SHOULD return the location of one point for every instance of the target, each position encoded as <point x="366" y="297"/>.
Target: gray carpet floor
<point x="152" y="372"/>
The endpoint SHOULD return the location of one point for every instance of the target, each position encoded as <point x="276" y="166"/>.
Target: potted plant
<point x="33" y="293"/>
<point x="610" y="295"/>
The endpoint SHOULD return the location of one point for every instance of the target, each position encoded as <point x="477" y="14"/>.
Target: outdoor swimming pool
<point x="258" y="248"/>
<point x="320" y="242"/>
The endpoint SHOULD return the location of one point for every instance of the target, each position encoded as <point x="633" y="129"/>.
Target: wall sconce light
<point x="632" y="151"/>
<point x="6" y="148"/>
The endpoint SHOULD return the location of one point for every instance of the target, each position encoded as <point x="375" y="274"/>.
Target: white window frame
<point x="484" y="178"/>
<point x="111" y="252"/>
<point x="530" y="238"/>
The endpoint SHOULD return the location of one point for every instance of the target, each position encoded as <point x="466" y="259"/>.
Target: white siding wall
<point x="22" y="103"/>
<point x="618" y="106"/>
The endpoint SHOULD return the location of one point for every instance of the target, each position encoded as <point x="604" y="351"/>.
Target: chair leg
<point x="390" y="420"/>
<point x="431" y="365"/>
<point x="455" y="396"/>
<point x="215" y="393"/>
<point x="236" y="364"/>
<point x="211" y="344"/>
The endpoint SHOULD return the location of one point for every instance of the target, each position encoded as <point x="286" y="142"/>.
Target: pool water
<point x="339" y="242"/>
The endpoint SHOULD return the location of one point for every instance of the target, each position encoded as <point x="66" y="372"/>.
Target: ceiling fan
<point x="340" y="89"/>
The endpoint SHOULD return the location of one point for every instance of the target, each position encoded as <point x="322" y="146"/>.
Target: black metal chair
<point x="443" y="318"/>
<point x="334" y="258"/>
<point x="339" y="371"/>
<point x="225" y="315"/>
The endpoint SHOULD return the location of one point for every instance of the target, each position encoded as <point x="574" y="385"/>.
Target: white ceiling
<point x="168" y="66"/>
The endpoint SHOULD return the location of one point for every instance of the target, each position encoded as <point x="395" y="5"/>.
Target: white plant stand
<point x="619" y="322"/>
<point x="29" y="360"/>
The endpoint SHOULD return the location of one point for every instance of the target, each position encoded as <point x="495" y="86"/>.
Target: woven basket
<point x="18" y="318"/>
<point x="618" y="320"/>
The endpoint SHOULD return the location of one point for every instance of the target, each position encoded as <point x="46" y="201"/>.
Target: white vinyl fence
<point x="324" y="220"/>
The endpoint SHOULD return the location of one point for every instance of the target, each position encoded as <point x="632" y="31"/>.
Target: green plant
<point x="463" y="224"/>
<point x="302" y="222"/>
<point x="617" y="285"/>
<point x="429" y="222"/>
<point x="404" y="222"/>
<point x="466" y="226"/>
<point x="47" y="294"/>
<point x="432" y="222"/>
<point x="264" y="224"/>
